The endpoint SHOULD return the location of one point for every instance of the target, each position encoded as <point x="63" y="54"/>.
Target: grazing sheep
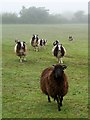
<point x="54" y="83"/>
<point x="70" y="38"/>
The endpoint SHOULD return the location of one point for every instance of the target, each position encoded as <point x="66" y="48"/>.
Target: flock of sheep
<point x="53" y="80"/>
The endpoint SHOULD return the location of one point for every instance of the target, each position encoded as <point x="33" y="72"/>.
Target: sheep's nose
<point x="59" y="50"/>
<point x="22" y="47"/>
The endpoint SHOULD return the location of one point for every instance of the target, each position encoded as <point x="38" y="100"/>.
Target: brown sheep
<point x="54" y="83"/>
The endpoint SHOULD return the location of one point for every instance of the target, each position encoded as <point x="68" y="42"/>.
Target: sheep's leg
<point x="61" y="99"/>
<point x="58" y="104"/>
<point x="55" y="98"/>
<point x="37" y="48"/>
<point x="49" y="99"/>
<point x="21" y="59"/>
<point x="24" y="59"/>
<point x="34" y="48"/>
<point x="61" y="60"/>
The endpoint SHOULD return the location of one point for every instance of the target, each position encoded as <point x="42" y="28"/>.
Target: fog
<point x="54" y="6"/>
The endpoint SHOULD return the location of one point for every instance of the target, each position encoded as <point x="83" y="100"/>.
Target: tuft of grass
<point x="21" y="94"/>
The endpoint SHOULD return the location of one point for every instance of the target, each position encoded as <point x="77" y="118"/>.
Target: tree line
<point x="41" y="15"/>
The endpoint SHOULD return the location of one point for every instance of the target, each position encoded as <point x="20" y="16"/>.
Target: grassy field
<point x="22" y="97"/>
<point x="0" y="71"/>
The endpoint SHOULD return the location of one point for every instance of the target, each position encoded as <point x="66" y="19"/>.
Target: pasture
<point x="21" y="94"/>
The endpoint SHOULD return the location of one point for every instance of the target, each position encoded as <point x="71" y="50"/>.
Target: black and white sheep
<point x="59" y="52"/>
<point x="70" y="38"/>
<point x="20" y="49"/>
<point x="34" y="42"/>
<point x="42" y="42"/>
<point x="54" y="83"/>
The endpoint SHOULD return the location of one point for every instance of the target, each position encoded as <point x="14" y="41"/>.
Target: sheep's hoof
<point x="20" y="61"/>
<point x="59" y="109"/>
<point x="49" y="100"/>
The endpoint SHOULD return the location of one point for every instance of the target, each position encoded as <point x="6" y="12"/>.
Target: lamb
<point x="53" y="82"/>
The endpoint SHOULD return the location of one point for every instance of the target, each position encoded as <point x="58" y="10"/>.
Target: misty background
<point x="52" y="12"/>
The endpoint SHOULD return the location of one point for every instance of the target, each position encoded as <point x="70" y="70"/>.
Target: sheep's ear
<point x="64" y="66"/>
<point x="16" y="41"/>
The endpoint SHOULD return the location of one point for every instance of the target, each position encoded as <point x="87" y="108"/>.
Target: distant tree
<point x="34" y="15"/>
<point x="41" y="15"/>
<point x="9" y="18"/>
<point x="80" y="17"/>
<point x="68" y="15"/>
<point x="0" y="19"/>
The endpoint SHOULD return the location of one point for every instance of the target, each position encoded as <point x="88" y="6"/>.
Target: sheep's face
<point x="58" y="71"/>
<point x="56" y="42"/>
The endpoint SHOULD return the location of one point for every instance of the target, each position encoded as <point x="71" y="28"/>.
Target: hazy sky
<point x="55" y="6"/>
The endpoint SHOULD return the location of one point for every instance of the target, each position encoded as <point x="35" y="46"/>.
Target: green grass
<point x="0" y="71"/>
<point x="22" y="97"/>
